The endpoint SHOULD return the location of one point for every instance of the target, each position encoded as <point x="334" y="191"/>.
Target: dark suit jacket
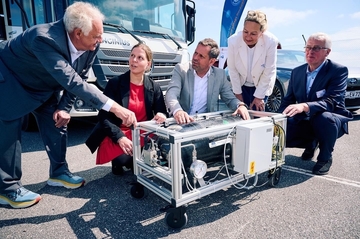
<point x="37" y="64"/>
<point x="118" y="89"/>
<point x="326" y="94"/>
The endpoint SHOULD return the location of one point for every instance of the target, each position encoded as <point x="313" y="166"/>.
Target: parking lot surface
<point x="300" y="206"/>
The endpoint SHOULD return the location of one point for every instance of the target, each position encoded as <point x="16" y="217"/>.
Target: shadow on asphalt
<point x="114" y="212"/>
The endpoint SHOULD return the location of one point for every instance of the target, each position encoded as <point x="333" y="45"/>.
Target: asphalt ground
<point x="300" y="206"/>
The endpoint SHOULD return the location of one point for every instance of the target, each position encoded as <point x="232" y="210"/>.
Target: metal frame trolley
<point x="182" y="163"/>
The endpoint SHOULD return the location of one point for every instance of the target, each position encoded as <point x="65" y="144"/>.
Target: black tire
<point x="274" y="101"/>
<point x="275" y="177"/>
<point x="138" y="191"/>
<point x="175" y="219"/>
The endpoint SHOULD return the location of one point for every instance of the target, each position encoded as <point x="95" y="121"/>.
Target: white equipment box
<point x="182" y="163"/>
<point x="253" y="147"/>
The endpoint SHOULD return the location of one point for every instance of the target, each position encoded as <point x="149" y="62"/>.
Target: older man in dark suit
<point x="315" y="104"/>
<point x="34" y="68"/>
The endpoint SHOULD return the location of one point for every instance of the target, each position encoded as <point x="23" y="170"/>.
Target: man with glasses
<point x="315" y="104"/>
<point x="34" y="68"/>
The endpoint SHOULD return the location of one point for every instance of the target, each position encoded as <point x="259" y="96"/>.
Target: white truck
<point x="166" y="26"/>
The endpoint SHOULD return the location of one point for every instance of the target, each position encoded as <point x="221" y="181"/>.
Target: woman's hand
<point x="126" y="145"/>
<point x="259" y="104"/>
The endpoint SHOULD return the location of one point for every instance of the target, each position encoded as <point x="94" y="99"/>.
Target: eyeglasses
<point x="315" y="48"/>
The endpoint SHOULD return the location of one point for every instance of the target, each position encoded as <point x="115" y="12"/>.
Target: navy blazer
<point x="37" y="64"/>
<point x="327" y="92"/>
<point x="118" y="89"/>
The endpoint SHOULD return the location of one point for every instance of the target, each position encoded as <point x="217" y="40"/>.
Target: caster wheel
<point x="275" y="177"/>
<point x="175" y="219"/>
<point x="138" y="191"/>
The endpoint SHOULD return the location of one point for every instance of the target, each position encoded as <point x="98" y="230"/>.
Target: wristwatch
<point x="243" y="104"/>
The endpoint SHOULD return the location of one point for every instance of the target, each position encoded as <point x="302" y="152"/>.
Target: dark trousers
<point x="10" y="155"/>
<point x="248" y="95"/>
<point x="323" y="128"/>
<point x="54" y="139"/>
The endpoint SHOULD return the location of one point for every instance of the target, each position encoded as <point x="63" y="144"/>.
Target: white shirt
<point x="311" y="75"/>
<point x="249" y="80"/>
<point x="199" y="103"/>
<point x="75" y="54"/>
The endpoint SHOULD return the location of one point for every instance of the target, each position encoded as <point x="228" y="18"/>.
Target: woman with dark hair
<point x="137" y="92"/>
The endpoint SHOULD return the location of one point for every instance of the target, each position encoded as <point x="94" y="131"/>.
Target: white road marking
<point x="326" y="177"/>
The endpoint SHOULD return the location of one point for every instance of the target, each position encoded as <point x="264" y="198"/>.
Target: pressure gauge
<point x="198" y="169"/>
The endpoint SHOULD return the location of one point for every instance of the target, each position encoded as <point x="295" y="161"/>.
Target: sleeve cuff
<point x="242" y="104"/>
<point x="108" y="105"/>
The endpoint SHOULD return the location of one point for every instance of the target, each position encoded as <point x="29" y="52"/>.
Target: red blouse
<point x="108" y="150"/>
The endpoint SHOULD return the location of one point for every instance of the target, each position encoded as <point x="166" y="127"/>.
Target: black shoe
<point x="322" y="167"/>
<point x="129" y="166"/>
<point x="308" y="154"/>
<point x="116" y="169"/>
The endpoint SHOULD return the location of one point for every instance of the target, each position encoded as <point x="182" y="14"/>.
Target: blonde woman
<point x="252" y="61"/>
<point x="137" y="92"/>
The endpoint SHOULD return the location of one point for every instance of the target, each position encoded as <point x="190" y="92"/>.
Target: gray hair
<point x="320" y="36"/>
<point x="81" y="15"/>
<point x="257" y="16"/>
<point x="214" y="51"/>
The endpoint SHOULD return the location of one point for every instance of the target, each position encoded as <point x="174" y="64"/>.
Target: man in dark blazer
<point x="195" y="87"/>
<point x="315" y="104"/>
<point x="34" y="68"/>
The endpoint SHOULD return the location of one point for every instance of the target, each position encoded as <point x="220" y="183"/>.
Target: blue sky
<point x="289" y="20"/>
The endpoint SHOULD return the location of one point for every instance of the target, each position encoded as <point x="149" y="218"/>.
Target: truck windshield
<point x="157" y="16"/>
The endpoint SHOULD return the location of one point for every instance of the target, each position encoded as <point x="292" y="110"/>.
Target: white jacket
<point x="263" y="67"/>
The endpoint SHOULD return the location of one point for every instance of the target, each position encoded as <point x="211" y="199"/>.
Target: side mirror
<point x="190" y="23"/>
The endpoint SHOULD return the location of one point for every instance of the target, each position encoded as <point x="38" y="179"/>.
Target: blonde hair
<point x="258" y="17"/>
<point x="81" y="15"/>
<point x="146" y="48"/>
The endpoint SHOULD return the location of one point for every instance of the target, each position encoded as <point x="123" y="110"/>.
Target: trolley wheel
<point x="138" y="191"/>
<point x="275" y="177"/>
<point x="176" y="218"/>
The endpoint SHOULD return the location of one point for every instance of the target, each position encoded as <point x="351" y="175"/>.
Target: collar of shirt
<point x="316" y="71"/>
<point x="206" y="75"/>
<point x="73" y="51"/>
<point x="199" y="103"/>
<point x="311" y="77"/>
